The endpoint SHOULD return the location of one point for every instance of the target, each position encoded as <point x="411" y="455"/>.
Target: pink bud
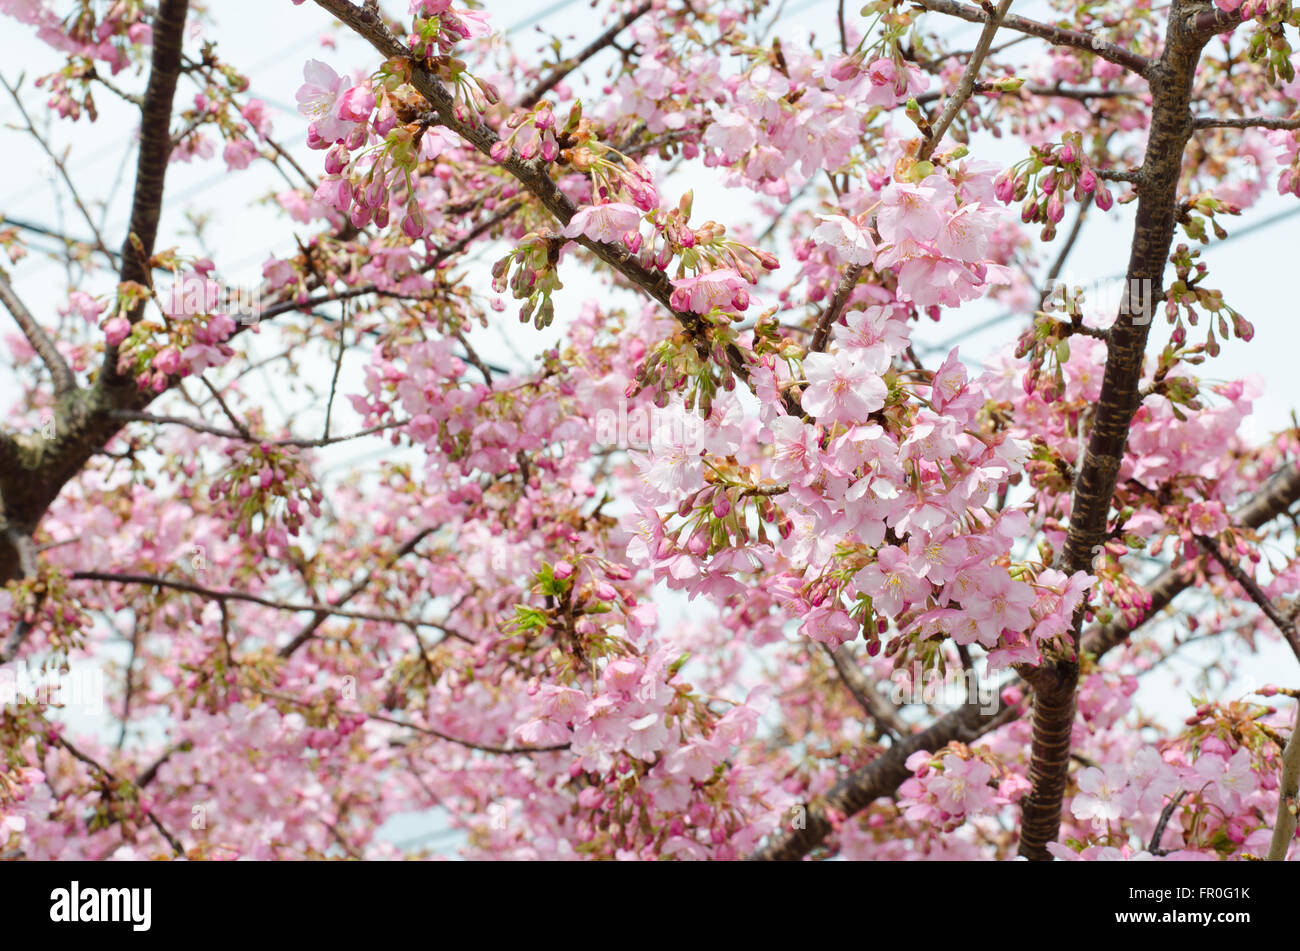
<point x="1055" y="209"/>
<point x="1004" y="188"/>
<point x="167" y="360"/>
<point x="116" y="330"/>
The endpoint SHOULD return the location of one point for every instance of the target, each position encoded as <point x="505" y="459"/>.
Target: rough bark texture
<point x="882" y="776"/>
<point x="1170" y="79"/>
<point x="34" y="468"/>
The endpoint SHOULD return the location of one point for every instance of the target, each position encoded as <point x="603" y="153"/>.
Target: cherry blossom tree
<point x="673" y="584"/>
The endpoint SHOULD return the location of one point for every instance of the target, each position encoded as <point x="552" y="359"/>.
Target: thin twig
<point x="1154" y="846"/>
<point x="836" y="307"/>
<point x="1283" y="623"/>
<point x="1244" y="122"/>
<point x="190" y="587"/>
<point x="64" y="380"/>
<point x="569" y="64"/>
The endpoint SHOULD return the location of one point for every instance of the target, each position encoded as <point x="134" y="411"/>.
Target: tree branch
<point x="1288" y="798"/>
<point x="151" y="163"/>
<point x="965" y="85"/>
<point x="1171" y="127"/>
<point x="64" y="380"/>
<point x="1053" y="34"/>
<point x="822" y="335"/>
<point x="1243" y="122"/>
<point x="533" y="176"/>
<point x="883" y="775"/>
<point x="1254" y="591"/>
<point x="567" y="66"/>
<point x="190" y="587"/>
<point x="865" y="693"/>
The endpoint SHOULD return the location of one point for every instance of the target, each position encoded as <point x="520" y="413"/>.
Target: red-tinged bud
<point x="1243" y="328"/>
<point x="1029" y="210"/>
<point x="336" y="159"/>
<point x="499" y="150"/>
<point x="550" y="148"/>
<point x="633" y="241"/>
<point x="848" y="68"/>
<point x="563" y="570"/>
<point x="1048" y="183"/>
<point x="721" y="505"/>
<point x="786" y="528"/>
<point x="688" y="504"/>
<point x="1088" y="180"/>
<point x="1055" y="209"/>
<point x="1029" y="382"/>
<point x="686" y="237"/>
<point x="1067" y="154"/>
<point x="1004" y="188"/>
<point x="413" y="224"/>
<point x="698" y="544"/>
<point x="1104" y="199"/>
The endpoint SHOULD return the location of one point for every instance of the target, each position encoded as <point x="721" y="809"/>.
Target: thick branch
<point x="1171" y="127"/>
<point x="1288" y="798"/>
<point x="1042" y="90"/>
<point x="37" y="469"/>
<point x="155" y="148"/>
